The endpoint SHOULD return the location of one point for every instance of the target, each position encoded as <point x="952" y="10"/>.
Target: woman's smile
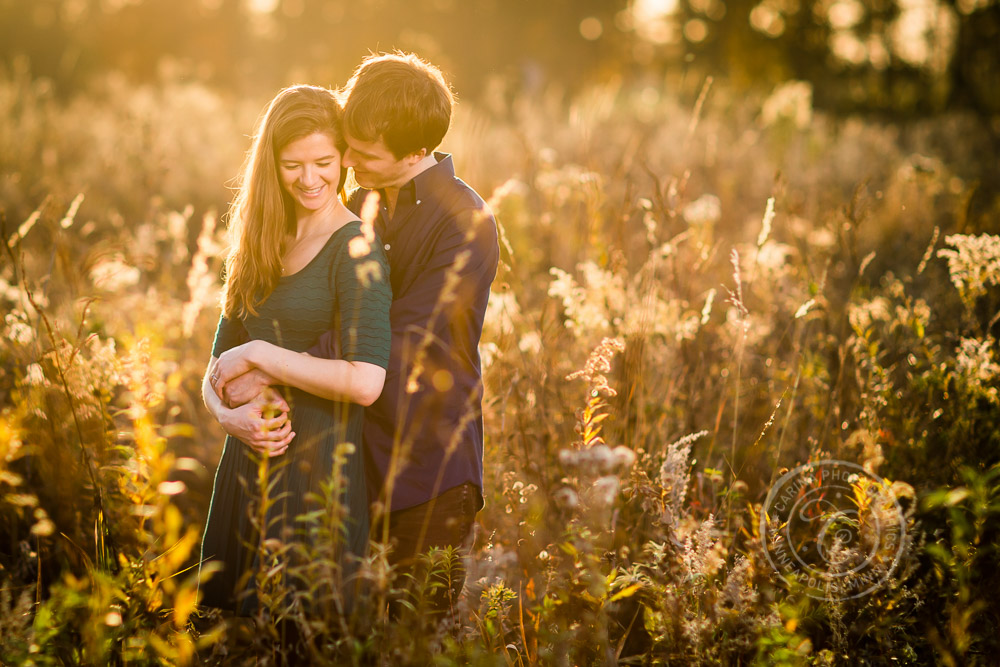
<point x="310" y="171"/>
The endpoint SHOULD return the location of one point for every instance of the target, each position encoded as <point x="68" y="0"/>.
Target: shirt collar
<point x="432" y="179"/>
<point x="423" y="185"/>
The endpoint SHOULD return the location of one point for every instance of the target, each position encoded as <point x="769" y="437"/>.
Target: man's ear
<point x="416" y="156"/>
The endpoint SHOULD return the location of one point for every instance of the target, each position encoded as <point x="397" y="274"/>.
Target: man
<point x="424" y="436"/>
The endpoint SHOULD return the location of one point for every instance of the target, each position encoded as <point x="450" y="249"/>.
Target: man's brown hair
<point x="401" y="99"/>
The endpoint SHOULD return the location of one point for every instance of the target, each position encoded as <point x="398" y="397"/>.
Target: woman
<point x="301" y="263"/>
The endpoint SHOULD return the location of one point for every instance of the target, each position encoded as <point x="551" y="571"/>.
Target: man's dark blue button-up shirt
<point x="424" y="435"/>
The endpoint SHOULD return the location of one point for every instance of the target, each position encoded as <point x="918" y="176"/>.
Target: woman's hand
<point x="262" y="424"/>
<point x="235" y="362"/>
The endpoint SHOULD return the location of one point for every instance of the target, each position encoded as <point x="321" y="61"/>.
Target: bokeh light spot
<point x="768" y="20"/>
<point x="695" y="31"/>
<point x="591" y="28"/>
<point x="262" y="6"/>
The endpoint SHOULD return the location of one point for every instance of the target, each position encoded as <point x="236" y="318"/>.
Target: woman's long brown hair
<point x="262" y="215"/>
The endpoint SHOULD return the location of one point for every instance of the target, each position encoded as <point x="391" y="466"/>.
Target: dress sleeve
<point x="364" y="295"/>
<point x="228" y="334"/>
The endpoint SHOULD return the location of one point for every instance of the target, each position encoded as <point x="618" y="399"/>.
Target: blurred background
<point x="895" y="57"/>
<point x="636" y="153"/>
<point x="106" y="96"/>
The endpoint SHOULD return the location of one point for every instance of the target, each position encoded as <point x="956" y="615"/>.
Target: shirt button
<point x="418" y="202"/>
<point x="387" y="246"/>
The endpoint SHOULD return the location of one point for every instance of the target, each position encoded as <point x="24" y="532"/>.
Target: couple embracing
<point x="350" y="319"/>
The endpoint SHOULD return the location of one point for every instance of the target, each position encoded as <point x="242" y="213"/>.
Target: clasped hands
<point x="257" y="415"/>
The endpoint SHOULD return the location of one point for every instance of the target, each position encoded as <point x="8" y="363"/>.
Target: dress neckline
<point x="321" y="250"/>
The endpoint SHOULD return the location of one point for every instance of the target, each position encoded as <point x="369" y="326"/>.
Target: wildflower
<point x="736" y="298"/>
<point x="675" y="471"/>
<point x="34" y="374"/>
<point x="864" y="315"/>
<point x="773" y="257"/>
<point x="974" y="263"/>
<point x="201" y="283"/>
<point x="738" y="594"/>
<point x="9" y="292"/>
<point x="509" y="188"/>
<point x="566" y="498"/>
<point x="705" y="210"/>
<point x="598" y="457"/>
<point x="567" y="457"/>
<point x="530" y="343"/>
<point x="820" y="238"/>
<point x="567" y="184"/>
<point x="974" y="359"/>
<point x="790" y="101"/>
<point x="605" y="489"/>
<point x="500" y="313"/>
<point x="488" y="353"/>
<point x="18" y="331"/>
<point x="43" y="524"/>
<point x="623" y="457"/>
<point x="975" y="363"/>
<point x="585" y="306"/>
<point x="114" y="274"/>
<point x="599" y="363"/>
<point x="177" y="225"/>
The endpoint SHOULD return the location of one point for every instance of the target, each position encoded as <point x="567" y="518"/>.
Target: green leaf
<point x="625" y="592"/>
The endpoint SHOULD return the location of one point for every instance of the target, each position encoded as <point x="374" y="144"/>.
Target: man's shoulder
<point x="457" y="200"/>
<point x="441" y="182"/>
<point x="356" y="198"/>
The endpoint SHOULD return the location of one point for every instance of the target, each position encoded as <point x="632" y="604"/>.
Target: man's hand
<point x="262" y="424"/>
<point x="233" y="363"/>
<point x="245" y="388"/>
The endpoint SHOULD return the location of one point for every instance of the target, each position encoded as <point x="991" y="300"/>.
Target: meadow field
<point x="699" y="293"/>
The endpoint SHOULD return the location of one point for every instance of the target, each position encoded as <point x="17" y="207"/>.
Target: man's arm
<point x="245" y="388"/>
<point x="248" y="423"/>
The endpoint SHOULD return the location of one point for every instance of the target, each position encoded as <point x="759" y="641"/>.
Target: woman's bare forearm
<point x="354" y="381"/>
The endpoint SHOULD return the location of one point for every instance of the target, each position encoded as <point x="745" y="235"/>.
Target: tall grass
<point x="693" y="297"/>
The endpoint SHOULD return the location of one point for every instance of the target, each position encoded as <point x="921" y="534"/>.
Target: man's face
<point x="375" y="167"/>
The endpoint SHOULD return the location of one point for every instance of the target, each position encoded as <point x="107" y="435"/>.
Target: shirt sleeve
<point x="361" y="319"/>
<point x="228" y="334"/>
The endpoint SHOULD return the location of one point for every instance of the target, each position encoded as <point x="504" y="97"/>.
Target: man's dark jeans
<point x="447" y="520"/>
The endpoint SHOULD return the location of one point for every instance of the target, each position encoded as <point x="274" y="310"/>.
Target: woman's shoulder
<point x="356" y="241"/>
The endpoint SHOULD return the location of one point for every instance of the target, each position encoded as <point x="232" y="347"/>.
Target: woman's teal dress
<point x="352" y="296"/>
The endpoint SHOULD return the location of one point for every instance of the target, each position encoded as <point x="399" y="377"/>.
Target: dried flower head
<point x="974" y="263"/>
<point x="598" y="364"/>
<point x="675" y="473"/>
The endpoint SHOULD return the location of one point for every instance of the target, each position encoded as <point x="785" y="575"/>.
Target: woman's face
<point x="310" y="172"/>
